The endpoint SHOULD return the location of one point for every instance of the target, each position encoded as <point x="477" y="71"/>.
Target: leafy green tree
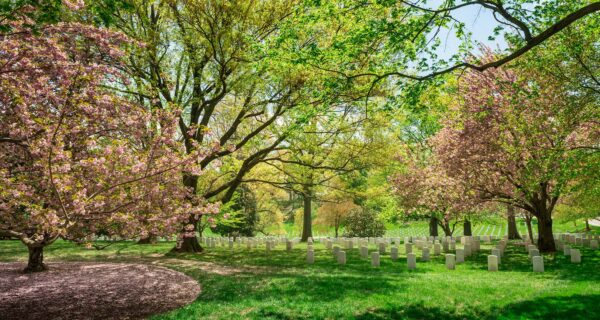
<point x="213" y="61"/>
<point x="241" y="213"/>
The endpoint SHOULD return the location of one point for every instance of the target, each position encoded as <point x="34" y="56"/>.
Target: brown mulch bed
<point x="92" y="291"/>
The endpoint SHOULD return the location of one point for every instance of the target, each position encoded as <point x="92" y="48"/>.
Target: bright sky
<point x="480" y="22"/>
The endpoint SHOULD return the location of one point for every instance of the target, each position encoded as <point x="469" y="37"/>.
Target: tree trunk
<point x="190" y="244"/>
<point x="587" y="225"/>
<point x="545" y="236"/>
<point x="529" y="229"/>
<point x="513" y="232"/>
<point x="433" y="227"/>
<point x="36" y="260"/>
<point x="150" y="239"/>
<point x="307" y="221"/>
<point x="446" y="227"/>
<point x="447" y="230"/>
<point x="467" y="228"/>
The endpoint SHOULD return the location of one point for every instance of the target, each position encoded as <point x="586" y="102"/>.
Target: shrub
<point x="362" y="222"/>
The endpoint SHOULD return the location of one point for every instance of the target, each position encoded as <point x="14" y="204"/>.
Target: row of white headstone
<point x="494" y="259"/>
<point x="470" y="246"/>
<point x="574" y="238"/>
<point x="448" y="244"/>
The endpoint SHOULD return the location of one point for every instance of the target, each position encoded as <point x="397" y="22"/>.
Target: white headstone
<point x="594" y="244"/>
<point x="336" y="250"/>
<point x="496" y="252"/>
<point x="408" y="247"/>
<point x="567" y="250"/>
<point x="394" y="253"/>
<point x="411" y="261"/>
<point x="460" y="256"/>
<point x="467" y="249"/>
<point x="419" y="244"/>
<point x="382" y="247"/>
<point x="310" y="257"/>
<point x="341" y="257"/>
<point x="538" y="263"/>
<point x="437" y="249"/>
<point x="425" y="256"/>
<point x="476" y="245"/>
<point x="364" y="251"/>
<point x="492" y="263"/>
<point x="533" y="253"/>
<point x="575" y="256"/>
<point x="450" y="261"/>
<point x="375" y="259"/>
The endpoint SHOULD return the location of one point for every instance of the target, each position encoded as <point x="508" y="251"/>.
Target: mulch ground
<point x="92" y="291"/>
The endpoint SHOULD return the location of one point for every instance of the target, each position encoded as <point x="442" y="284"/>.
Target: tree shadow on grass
<point x="557" y="266"/>
<point x="556" y="307"/>
<point x="413" y="311"/>
<point x="318" y="288"/>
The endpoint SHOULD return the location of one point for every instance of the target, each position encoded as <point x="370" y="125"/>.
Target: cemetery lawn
<point x="251" y="284"/>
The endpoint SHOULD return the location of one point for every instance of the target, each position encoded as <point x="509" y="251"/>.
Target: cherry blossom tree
<point x="77" y="159"/>
<point x="425" y="190"/>
<point x="518" y="138"/>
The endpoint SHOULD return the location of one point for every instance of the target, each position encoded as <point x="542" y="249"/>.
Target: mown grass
<point x="251" y="284"/>
<point x="480" y="226"/>
<point x="490" y="226"/>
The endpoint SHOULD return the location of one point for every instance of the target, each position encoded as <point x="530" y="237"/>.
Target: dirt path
<point x="92" y="291"/>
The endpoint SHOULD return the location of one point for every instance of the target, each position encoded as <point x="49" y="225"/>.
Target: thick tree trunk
<point x="151" y="239"/>
<point x="545" y="236"/>
<point x="513" y="232"/>
<point x="36" y="260"/>
<point x="467" y="228"/>
<point x="307" y="221"/>
<point x="190" y="244"/>
<point x="433" y="227"/>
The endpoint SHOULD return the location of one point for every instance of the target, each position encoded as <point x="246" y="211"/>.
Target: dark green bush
<point x="364" y="222"/>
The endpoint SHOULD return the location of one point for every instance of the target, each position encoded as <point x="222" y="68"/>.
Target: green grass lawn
<point x="251" y="284"/>
<point x="486" y="226"/>
<point x="490" y="226"/>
